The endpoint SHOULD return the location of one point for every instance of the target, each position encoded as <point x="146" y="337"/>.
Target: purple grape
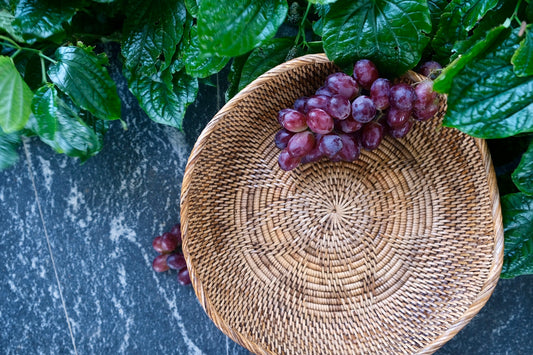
<point x="397" y="118"/>
<point x="430" y="68"/>
<point x="294" y="121"/>
<point x="424" y="93"/>
<point x="299" y="104"/>
<point x="160" y="263"/>
<point x="342" y="84"/>
<point x="426" y="112"/>
<point x="349" y="125"/>
<point x="402" y="96"/>
<point x="379" y="93"/>
<point x="324" y="90"/>
<point x="286" y="161"/>
<point x="176" y="230"/>
<point x="350" y="148"/>
<point x="401" y="131"/>
<point x="281" y="115"/>
<point x="169" y="242"/>
<point x="363" y="109"/>
<point x="176" y="261"/>
<point x="156" y="244"/>
<point x="330" y="144"/>
<point x="317" y="101"/>
<point x="365" y="73"/>
<point x="319" y="121"/>
<point x="301" y="144"/>
<point x="282" y="138"/>
<point x="184" y="277"/>
<point x="314" y="155"/>
<point x="339" y="107"/>
<point x="371" y="135"/>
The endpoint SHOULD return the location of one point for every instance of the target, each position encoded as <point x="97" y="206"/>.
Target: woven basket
<point x="393" y="253"/>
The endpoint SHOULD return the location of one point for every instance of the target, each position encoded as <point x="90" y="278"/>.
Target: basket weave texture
<point x="393" y="253"/>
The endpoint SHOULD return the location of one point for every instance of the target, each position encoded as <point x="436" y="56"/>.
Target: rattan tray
<point x="393" y="253"/>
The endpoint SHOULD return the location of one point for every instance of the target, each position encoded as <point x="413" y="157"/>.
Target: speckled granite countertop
<point x="75" y="252"/>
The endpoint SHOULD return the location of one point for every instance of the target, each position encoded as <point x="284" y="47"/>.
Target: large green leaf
<point x="15" y="97"/>
<point x="517" y="210"/>
<point x="6" y="24"/>
<point x="163" y="97"/>
<point x="152" y="30"/>
<point x="523" y="57"/>
<point x="236" y="28"/>
<point x="487" y="99"/>
<point x="459" y="17"/>
<point x="196" y="64"/>
<point x="392" y="33"/>
<point x="80" y="74"/>
<point x="192" y="7"/>
<point x="436" y="9"/>
<point x="8" y="149"/>
<point x="523" y="175"/>
<point x="44" y="107"/>
<point x="234" y="75"/>
<point x="39" y="19"/>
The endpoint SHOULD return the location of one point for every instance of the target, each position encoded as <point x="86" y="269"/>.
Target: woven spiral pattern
<point x="393" y="253"/>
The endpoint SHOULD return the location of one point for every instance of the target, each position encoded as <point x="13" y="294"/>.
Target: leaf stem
<point x="515" y="13"/>
<point x="43" y="71"/>
<point x="301" y="28"/>
<point x="43" y="56"/>
<point x="12" y="43"/>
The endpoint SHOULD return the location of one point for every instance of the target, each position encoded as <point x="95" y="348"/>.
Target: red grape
<point x="350" y="148"/>
<point x="286" y="161"/>
<point x="299" y="104"/>
<point x="342" y="84"/>
<point x="160" y="263"/>
<point x="402" y="96"/>
<point x="319" y="121"/>
<point x="294" y="121"/>
<point x="371" y="135"/>
<point x="183" y="277"/>
<point x="156" y="244"/>
<point x="363" y="109"/>
<point x="426" y="112"/>
<point x="424" y="93"/>
<point x="301" y="144"/>
<point x="379" y="93"/>
<point x="317" y="101"/>
<point x="324" y="90"/>
<point x="339" y="107"/>
<point x="314" y="155"/>
<point x="349" y="125"/>
<point x="365" y="73"/>
<point x="176" y="261"/>
<point x="282" y="138"/>
<point x="330" y="144"/>
<point x="401" y="131"/>
<point x="429" y="68"/>
<point x="169" y="242"/>
<point x="397" y="118"/>
<point x="176" y="230"/>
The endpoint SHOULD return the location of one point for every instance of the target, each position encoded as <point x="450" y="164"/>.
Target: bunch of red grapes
<point x="350" y="113"/>
<point x="168" y="245"/>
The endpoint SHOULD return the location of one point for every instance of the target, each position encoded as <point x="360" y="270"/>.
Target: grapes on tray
<point x="349" y="113"/>
<point x="168" y="245"/>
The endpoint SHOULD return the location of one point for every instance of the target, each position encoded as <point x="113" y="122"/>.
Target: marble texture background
<point x="75" y="252"/>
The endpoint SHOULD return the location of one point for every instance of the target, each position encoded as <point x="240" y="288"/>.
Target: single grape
<point x="379" y="93"/>
<point x="160" y="263"/>
<point x="426" y="112"/>
<point x="286" y="161"/>
<point x="169" y="242"/>
<point x="294" y="121"/>
<point x="282" y="138"/>
<point x="397" y="118"/>
<point x="349" y="125"/>
<point x="314" y="155"/>
<point x="176" y="230"/>
<point x="317" y="101"/>
<point x="176" y="261"/>
<point x="401" y="131"/>
<point x="363" y="109"/>
<point x="339" y="107"/>
<point x="156" y="244"/>
<point x="424" y="93"/>
<point x="365" y="73"/>
<point x="301" y="144"/>
<point x="330" y="144"/>
<point x="324" y="90"/>
<point x="342" y="84"/>
<point x="430" y="69"/>
<point x="402" y="96"/>
<point x="371" y="135"/>
<point x="350" y="148"/>
<point x="184" y="277"/>
<point x="319" y="121"/>
<point x="281" y="115"/>
<point x="299" y="104"/>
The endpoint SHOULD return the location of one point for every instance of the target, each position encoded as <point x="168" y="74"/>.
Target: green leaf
<point x="523" y="57"/>
<point x="234" y="75"/>
<point x="523" y="174"/>
<point x="192" y="7"/>
<point x="44" y="106"/>
<point x="8" y="149"/>
<point x="164" y="98"/>
<point x="392" y="33"/>
<point x="15" y="97"/>
<point x="458" y="18"/>
<point x="487" y="99"/>
<point x="229" y="31"/>
<point x="321" y="2"/>
<point x="436" y="9"/>
<point x="321" y="11"/>
<point x="443" y="82"/>
<point x="6" y="24"/>
<point x="40" y="19"/>
<point x="264" y="58"/>
<point x="517" y="211"/>
<point x="80" y="74"/>
<point x="196" y="64"/>
<point x="152" y="30"/>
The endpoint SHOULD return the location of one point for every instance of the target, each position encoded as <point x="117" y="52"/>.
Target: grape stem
<point x="301" y="28"/>
<point x="514" y="16"/>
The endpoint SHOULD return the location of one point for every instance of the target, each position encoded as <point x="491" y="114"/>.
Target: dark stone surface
<point x="78" y="279"/>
